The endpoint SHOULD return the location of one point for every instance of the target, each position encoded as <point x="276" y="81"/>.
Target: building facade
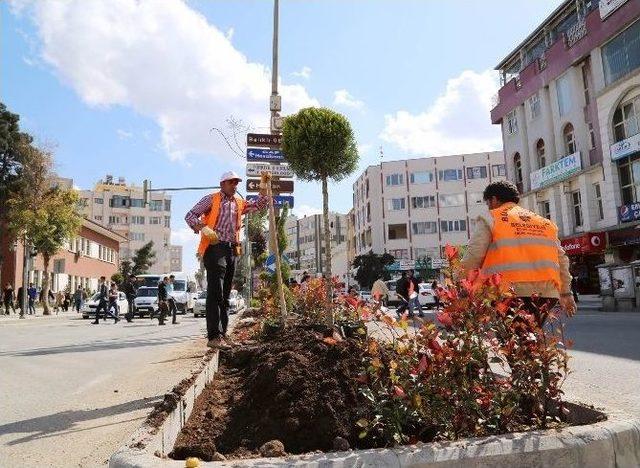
<point x="94" y="252"/>
<point x="175" y="256"/>
<point x="305" y="249"/>
<point x="413" y="208"/>
<point x="121" y="208"/>
<point x="568" y="97"/>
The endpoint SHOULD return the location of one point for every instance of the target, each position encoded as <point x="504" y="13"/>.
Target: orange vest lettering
<point x="211" y="219"/>
<point x="524" y="247"/>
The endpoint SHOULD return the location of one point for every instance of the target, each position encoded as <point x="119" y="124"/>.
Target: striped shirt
<point x="226" y="226"/>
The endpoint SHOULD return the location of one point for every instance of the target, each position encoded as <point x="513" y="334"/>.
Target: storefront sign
<point x="556" y="171"/>
<point x="628" y="236"/>
<point x="589" y="243"/>
<point x="628" y="213"/>
<point x="625" y="147"/>
<point x="609" y="6"/>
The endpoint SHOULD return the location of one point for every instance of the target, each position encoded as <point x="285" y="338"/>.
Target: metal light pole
<point x="25" y="275"/>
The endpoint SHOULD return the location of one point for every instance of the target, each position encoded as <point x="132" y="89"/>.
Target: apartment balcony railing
<point x="576" y="32"/>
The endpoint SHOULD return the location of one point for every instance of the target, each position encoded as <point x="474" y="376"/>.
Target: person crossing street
<point x="131" y="291"/>
<point x="218" y="219"/>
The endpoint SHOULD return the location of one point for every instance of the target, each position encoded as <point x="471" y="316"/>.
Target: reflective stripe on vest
<point x="539" y="265"/>
<point x="521" y="242"/>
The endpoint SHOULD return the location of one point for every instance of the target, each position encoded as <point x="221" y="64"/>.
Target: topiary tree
<point x="371" y="267"/>
<point x="319" y="145"/>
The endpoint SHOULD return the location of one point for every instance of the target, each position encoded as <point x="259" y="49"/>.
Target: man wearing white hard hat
<point x="218" y="219"/>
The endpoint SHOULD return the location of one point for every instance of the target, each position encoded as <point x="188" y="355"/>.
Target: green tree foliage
<point x="126" y="267"/>
<point x="319" y="145"/>
<point x="371" y="267"/>
<point x="257" y="238"/>
<point x="143" y="259"/>
<point x="46" y="213"/>
<point x="117" y="278"/>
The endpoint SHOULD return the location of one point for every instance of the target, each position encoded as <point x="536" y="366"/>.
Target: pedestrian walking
<point x="171" y="302"/>
<point x="434" y="288"/>
<point x="78" y="298"/>
<point x="113" y="307"/>
<point x="163" y="306"/>
<point x="59" y="299"/>
<point x="67" y="301"/>
<point x="380" y="291"/>
<point x="20" y="298"/>
<point x="130" y="290"/>
<point x="524" y="249"/>
<point x="407" y="288"/>
<point x="32" y="292"/>
<point x="103" y="301"/>
<point x="8" y="296"/>
<point x="218" y="219"/>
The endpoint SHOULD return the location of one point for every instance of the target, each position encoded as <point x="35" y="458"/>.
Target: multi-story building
<point x="569" y="109"/>
<point x="175" y="256"/>
<point x="412" y="208"/>
<point x="121" y="208"/>
<point x="305" y="251"/>
<point x="94" y="252"/>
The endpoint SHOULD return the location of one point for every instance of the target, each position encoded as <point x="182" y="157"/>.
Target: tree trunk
<point x="327" y="249"/>
<point x="45" y="285"/>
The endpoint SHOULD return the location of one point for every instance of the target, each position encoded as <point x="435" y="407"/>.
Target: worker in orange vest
<point x="218" y="219"/>
<point x="523" y="248"/>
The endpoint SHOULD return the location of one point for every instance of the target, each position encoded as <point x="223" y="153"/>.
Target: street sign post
<point x="278" y="186"/>
<point x="270" y="264"/>
<point x="259" y="154"/>
<point x="264" y="139"/>
<point x="278" y="201"/>
<point x="256" y="170"/>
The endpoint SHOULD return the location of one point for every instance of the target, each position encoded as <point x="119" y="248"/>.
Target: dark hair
<point x="132" y="276"/>
<point x="503" y="190"/>
<point x="172" y="276"/>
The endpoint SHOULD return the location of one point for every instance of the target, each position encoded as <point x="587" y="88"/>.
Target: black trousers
<point x="220" y="263"/>
<point x="173" y="308"/>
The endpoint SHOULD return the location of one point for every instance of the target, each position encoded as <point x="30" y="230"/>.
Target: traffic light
<point x="146" y="186"/>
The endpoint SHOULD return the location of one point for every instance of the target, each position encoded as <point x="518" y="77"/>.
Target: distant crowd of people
<point x="12" y="300"/>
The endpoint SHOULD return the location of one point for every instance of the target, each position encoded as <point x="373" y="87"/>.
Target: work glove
<point x="210" y="234"/>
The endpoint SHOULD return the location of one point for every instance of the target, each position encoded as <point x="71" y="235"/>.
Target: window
<point x="498" y="170"/>
<point x="155" y="220"/>
<point x="569" y="139"/>
<point x="585" y="84"/>
<point x="118" y="201"/>
<point x="98" y="218"/>
<point x="368" y="212"/>
<point x="576" y="201"/>
<point x="512" y="123"/>
<point x="420" y="252"/>
<point x="534" y="106"/>
<point x="597" y="195"/>
<point x="395" y="179"/>
<point x="400" y="254"/>
<point x="621" y="55"/>
<point x="167" y="221"/>
<point x="167" y="205"/>
<point x="367" y="188"/>
<point x="563" y="91"/>
<point x="424" y="227"/>
<point x="544" y="208"/>
<point x="448" y="175"/>
<point x="592" y="136"/>
<point x="114" y="220"/>
<point x="475" y="198"/>
<point x="136" y="236"/>
<point x="422" y="177"/>
<point x="397" y="231"/>
<point x="542" y="160"/>
<point x="459" y="225"/>
<point x="626" y="119"/>
<point x="396" y="204"/>
<point x="454" y="199"/>
<point x="428" y="201"/>
<point x="98" y="201"/>
<point x="155" y="205"/>
<point x="477" y="172"/>
<point x="137" y="220"/>
<point x="137" y="203"/>
<point x="517" y="165"/>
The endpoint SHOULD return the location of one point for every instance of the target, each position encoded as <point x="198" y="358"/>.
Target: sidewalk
<point x="38" y="315"/>
<point x="589" y="303"/>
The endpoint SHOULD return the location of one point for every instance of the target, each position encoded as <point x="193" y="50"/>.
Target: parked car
<point x="199" y="306"/>
<point x="426" y="295"/>
<point x="146" y="301"/>
<point x="236" y="302"/>
<point x="89" y="307"/>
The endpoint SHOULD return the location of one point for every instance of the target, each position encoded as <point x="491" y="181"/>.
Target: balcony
<point x="576" y="32"/>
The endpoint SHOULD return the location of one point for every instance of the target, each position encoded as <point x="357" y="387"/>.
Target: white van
<point x="183" y="288"/>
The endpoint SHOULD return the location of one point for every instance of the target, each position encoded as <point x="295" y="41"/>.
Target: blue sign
<point x="630" y="212"/>
<point x="270" y="264"/>
<point x="278" y="201"/>
<point x="255" y="154"/>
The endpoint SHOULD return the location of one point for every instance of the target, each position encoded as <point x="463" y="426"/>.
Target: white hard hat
<point x="230" y="176"/>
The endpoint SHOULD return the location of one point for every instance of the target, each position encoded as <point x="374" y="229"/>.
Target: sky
<point x="133" y="88"/>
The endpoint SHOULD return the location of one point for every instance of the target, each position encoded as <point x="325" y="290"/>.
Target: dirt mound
<point x="295" y="388"/>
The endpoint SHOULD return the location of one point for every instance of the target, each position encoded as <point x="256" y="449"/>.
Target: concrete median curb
<point x="611" y="443"/>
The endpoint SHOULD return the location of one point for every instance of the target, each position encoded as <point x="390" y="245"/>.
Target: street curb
<point x="612" y="443"/>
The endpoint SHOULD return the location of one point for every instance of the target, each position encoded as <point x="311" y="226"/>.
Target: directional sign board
<point x="256" y="170"/>
<point x="278" y="202"/>
<point x="258" y="154"/>
<point x="270" y="264"/>
<point x="277" y="186"/>
<point x="263" y="139"/>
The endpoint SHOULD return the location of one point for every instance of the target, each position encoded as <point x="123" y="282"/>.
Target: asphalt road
<point x="72" y="392"/>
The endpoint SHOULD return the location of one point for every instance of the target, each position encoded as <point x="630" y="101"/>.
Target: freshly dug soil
<point x="294" y="387"/>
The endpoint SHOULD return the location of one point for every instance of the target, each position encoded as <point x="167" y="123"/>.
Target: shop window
<point x="540" y="153"/>
<point x="569" y="139"/>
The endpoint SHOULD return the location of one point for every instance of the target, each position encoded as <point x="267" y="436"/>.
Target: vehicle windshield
<point x="202" y="295"/>
<point x="148" y="280"/>
<point x="179" y="285"/>
<point x="147" y="292"/>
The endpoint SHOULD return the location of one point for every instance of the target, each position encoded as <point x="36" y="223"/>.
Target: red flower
<point x="496" y="279"/>
<point x="422" y="366"/>
<point x="445" y="319"/>
<point x="451" y="252"/>
<point x="398" y="391"/>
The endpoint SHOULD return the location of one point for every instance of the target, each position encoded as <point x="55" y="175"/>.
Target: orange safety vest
<point x="524" y="247"/>
<point x="211" y="219"/>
